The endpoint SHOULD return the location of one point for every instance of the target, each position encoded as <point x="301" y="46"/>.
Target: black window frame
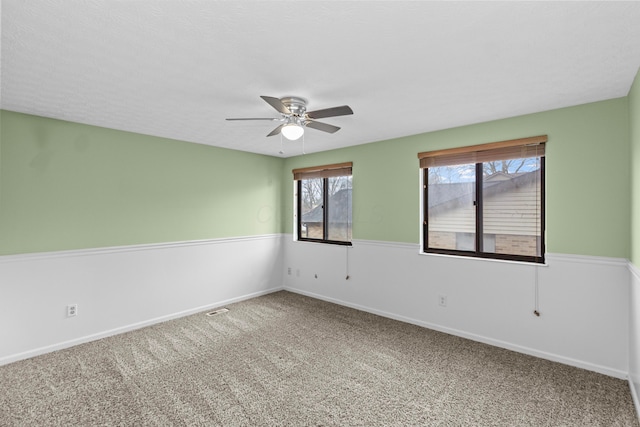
<point x="479" y="234"/>
<point x="324" y="172"/>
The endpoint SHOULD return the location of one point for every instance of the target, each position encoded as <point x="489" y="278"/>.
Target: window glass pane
<point x="451" y="210"/>
<point x="311" y="209"/>
<point x="511" y="206"/>
<point x="339" y="209"/>
<point x="465" y="241"/>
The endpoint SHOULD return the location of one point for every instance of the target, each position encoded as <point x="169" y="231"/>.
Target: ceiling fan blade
<point x="277" y="104"/>
<point x="256" y="118"/>
<point x="343" y="110"/>
<point x="322" y="126"/>
<point x="276" y="130"/>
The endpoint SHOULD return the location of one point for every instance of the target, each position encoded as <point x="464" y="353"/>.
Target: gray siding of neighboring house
<point x="511" y="210"/>
<point x="507" y="212"/>
<point x="339" y="218"/>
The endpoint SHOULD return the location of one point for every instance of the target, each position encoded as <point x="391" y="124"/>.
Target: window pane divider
<point x="479" y="203"/>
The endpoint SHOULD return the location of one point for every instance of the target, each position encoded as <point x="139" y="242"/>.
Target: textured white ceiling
<point x="177" y="69"/>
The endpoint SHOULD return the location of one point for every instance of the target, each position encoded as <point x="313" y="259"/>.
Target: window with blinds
<point x="323" y="203"/>
<point x="486" y="200"/>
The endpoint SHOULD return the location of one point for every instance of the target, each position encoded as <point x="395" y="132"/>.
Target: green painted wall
<point x="634" y="131"/>
<point x="71" y="186"/>
<point x="588" y="177"/>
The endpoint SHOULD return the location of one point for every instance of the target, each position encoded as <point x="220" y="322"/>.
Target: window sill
<point x="323" y="242"/>
<point x="473" y="258"/>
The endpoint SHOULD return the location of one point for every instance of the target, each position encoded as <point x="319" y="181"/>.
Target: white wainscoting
<point x="583" y="301"/>
<point x="124" y="288"/>
<point x="586" y="303"/>
<point x="634" y="336"/>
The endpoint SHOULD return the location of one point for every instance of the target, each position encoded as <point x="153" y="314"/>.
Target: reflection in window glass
<point x="511" y="206"/>
<point x="339" y="214"/>
<point x="312" y="225"/>
<point x="451" y="207"/>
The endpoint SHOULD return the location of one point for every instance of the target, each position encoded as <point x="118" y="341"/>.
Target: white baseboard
<point x="128" y="328"/>
<point x="520" y="349"/>
<point x="636" y="399"/>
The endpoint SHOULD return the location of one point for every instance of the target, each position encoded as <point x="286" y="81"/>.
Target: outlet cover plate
<point x="442" y="300"/>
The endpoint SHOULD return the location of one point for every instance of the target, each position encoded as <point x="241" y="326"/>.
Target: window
<point x="486" y="200"/>
<point x="323" y="203"/>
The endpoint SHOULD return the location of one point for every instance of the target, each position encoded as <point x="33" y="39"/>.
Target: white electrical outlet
<point x="72" y="310"/>
<point x="289" y="271"/>
<point x="442" y="300"/>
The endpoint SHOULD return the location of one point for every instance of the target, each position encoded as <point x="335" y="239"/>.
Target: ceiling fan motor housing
<point x="297" y="106"/>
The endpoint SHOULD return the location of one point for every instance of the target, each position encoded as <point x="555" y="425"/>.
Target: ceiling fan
<point x="295" y="117"/>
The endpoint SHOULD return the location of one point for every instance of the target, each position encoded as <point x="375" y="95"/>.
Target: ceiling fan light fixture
<point x="292" y="131"/>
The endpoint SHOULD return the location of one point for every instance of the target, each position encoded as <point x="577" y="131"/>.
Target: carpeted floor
<point x="288" y="360"/>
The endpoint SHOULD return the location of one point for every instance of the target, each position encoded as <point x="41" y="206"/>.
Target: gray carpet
<point x="288" y="360"/>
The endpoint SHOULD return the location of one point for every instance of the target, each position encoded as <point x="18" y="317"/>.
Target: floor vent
<point x="218" y="311"/>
